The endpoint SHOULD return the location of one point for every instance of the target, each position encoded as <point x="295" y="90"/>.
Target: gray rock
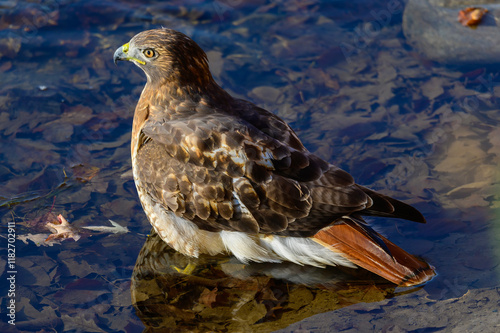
<point x="431" y="26"/>
<point x="475" y="311"/>
<point x="461" y="3"/>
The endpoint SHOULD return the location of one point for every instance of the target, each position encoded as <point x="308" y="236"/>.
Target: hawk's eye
<point x="149" y="53"/>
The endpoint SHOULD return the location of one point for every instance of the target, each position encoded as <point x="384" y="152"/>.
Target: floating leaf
<point x="115" y="229"/>
<point x="61" y="229"/>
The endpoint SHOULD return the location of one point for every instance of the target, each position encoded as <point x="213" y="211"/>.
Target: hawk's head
<point x="167" y="57"/>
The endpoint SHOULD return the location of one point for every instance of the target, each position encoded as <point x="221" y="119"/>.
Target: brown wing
<point x="247" y="171"/>
<point x="332" y="188"/>
<point x="218" y="172"/>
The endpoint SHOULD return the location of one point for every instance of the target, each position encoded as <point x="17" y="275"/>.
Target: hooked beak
<point x="121" y="53"/>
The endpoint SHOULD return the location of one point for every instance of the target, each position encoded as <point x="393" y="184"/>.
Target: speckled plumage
<point x="218" y="174"/>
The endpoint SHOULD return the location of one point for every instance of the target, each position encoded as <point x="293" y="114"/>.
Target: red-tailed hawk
<point x="216" y="174"/>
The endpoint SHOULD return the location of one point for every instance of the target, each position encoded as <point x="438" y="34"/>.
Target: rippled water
<point x="363" y="99"/>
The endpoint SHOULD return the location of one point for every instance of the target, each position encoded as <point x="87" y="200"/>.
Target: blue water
<point x="362" y="99"/>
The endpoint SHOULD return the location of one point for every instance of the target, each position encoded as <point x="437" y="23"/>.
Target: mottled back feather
<point x="223" y="172"/>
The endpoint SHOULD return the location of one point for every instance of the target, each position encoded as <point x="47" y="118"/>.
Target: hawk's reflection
<point x="221" y="294"/>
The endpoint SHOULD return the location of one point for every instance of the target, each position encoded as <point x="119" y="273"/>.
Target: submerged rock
<point x="432" y="27"/>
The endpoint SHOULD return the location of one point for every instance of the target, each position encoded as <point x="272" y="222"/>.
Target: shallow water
<point x="362" y="99"/>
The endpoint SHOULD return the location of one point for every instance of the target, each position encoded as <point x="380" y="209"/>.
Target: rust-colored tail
<point x="368" y="249"/>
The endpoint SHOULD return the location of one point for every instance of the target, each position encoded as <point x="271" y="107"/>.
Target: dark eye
<point x="149" y="53"/>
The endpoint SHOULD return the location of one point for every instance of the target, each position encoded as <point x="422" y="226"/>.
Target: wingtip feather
<point x="389" y="207"/>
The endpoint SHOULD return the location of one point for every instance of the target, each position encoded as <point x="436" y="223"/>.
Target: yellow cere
<point x="125" y="48"/>
<point x="139" y="61"/>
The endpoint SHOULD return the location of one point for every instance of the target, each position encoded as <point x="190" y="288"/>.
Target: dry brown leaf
<point x="208" y="297"/>
<point x="433" y="87"/>
<point x="474" y="200"/>
<point x="6" y="66"/>
<point x="494" y="138"/>
<point x="61" y="229"/>
<point x="461" y="155"/>
<point x="58" y="133"/>
<point x="470" y="187"/>
<point x="79" y="322"/>
<point x="84" y="173"/>
<point x="77" y="115"/>
<point x="216" y="62"/>
<point x="267" y="294"/>
<point x="10" y="47"/>
<point x="471" y="16"/>
<point x="267" y="94"/>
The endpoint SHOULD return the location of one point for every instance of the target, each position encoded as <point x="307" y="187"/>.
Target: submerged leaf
<point x="84" y="173"/>
<point x="208" y="297"/>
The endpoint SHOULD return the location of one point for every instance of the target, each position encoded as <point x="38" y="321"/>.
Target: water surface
<point x="355" y="92"/>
